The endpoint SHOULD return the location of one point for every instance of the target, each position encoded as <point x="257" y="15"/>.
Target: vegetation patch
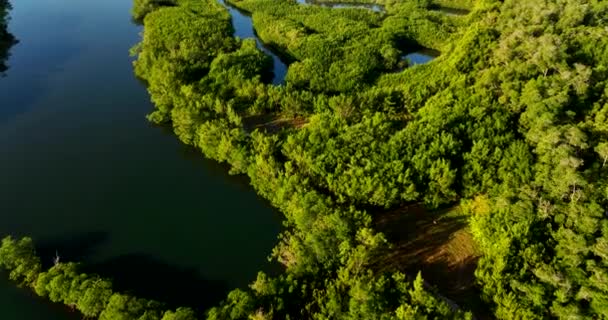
<point x="508" y="124"/>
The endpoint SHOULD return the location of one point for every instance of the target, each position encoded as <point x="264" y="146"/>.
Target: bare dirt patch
<point x="272" y="123"/>
<point x="439" y="245"/>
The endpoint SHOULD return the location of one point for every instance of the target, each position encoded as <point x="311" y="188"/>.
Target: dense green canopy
<point x="511" y="122"/>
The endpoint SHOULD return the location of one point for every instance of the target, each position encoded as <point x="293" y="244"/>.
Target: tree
<point x="96" y="293"/>
<point x="180" y="314"/>
<point x="18" y="257"/>
<point x="123" y="307"/>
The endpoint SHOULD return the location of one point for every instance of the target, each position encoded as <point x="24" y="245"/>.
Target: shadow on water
<point x="196" y="157"/>
<point x="33" y="306"/>
<point x="76" y="247"/>
<point x="221" y="169"/>
<point x="148" y="277"/>
<point x="139" y="274"/>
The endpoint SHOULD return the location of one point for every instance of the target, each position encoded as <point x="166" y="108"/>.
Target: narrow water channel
<point x="243" y="28"/>
<point x="421" y="56"/>
<point x="83" y="172"/>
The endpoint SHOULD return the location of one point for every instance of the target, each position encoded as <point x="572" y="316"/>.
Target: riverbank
<point x="345" y="146"/>
<point x="326" y="233"/>
<point x="80" y="162"/>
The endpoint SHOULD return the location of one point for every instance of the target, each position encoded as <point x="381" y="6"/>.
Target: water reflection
<point x="7" y="40"/>
<point x="421" y="56"/>
<point x="80" y="162"/>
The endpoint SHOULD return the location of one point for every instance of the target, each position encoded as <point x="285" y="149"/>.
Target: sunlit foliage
<point x="510" y="121"/>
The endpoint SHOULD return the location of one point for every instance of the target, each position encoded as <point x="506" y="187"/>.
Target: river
<point x="420" y="56"/>
<point x="85" y="174"/>
<point x="243" y="28"/>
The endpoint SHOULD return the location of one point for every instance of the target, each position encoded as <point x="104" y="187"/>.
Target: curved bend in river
<point x="84" y="172"/>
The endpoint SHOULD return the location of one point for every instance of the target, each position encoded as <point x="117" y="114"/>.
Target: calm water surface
<point x="421" y="56"/>
<point x="83" y="172"/>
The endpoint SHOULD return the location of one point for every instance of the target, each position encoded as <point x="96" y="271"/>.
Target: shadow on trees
<point x="148" y="277"/>
<point x="416" y="240"/>
<point x="458" y="283"/>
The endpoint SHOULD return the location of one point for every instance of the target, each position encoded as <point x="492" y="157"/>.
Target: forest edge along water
<point x="440" y="191"/>
<point x="87" y="246"/>
<point x="243" y="28"/>
<point x="86" y="175"/>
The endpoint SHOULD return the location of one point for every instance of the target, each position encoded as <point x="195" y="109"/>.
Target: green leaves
<point x="18" y="257"/>
<point x="94" y="295"/>
<point x="180" y="314"/>
<point x="87" y="293"/>
<point x="513" y="114"/>
<point x="142" y="7"/>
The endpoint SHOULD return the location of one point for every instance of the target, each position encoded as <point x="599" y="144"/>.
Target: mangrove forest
<point x="430" y="159"/>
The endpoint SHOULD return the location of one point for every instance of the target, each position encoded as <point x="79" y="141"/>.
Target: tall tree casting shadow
<point x="146" y="276"/>
<point x="140" y="274"/>
<point x="72" y="247"/>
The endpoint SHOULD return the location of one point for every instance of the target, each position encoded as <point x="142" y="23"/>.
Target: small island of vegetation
<point x="483" y="172"/>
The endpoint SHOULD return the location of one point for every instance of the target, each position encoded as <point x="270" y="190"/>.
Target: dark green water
<point x="83" y="172"/>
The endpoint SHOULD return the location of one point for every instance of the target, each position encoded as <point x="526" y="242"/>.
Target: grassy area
<point x="439" y="245"/>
